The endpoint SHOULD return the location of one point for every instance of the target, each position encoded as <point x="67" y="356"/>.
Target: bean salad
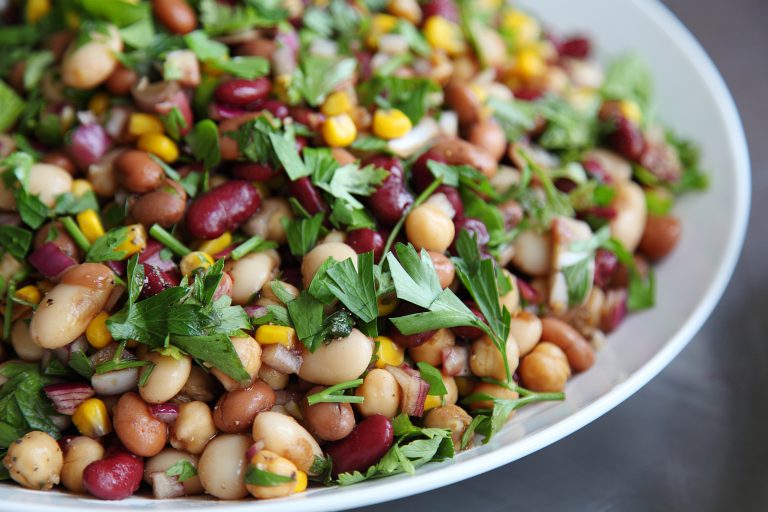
<point x="248" y="248"/>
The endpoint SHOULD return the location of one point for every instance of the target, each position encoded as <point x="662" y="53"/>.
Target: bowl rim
<point x="439" y="477"/>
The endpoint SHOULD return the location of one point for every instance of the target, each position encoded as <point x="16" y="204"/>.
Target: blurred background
<point x="696" y="437"/>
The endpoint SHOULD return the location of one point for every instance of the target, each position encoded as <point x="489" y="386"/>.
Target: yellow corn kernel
<point x="90" y="225"/>
<point x="387" y="306"/>
<point x="91" y="418"/>
<point x="380" y="24"/>
<point x="339" y="131"/>
<point x="337" y="103"/>
<point x="301" y="482"/>
<point x="479" y="91"/>
<point x="281" y="86"/>
<point x="135" y="241"/>
<point x="406" y="9"/>
<point x="99" y="103"/>
<point x="159" y="145"/>
<point x="529" y="64"/>
<point x="432" y="401"/>
<point x="140" y="124"/>
<point x="444" y="34"/>
<point x="391" y="123"/>
<point x="631" y="111"/>
<point x="194" y="261"/>
<point x="80" y="187"/>
<point x="274" y="334"/>
<point x="29" y="293"/>
<point x="36" y="9"/>
<point x="97" y="333"/>
<point x="216" y="245"/>
<point x="523" y="26"/>
<point x="388" y="352"/>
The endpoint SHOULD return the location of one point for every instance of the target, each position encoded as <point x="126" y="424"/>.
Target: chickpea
<point x="284" y="436"/>
<point x="327" y="421"/>
<point x="193" y="428"/>
<point x="272" y="462"/>
<point x="545" y="369"/>
<point x="249" y="352"/>
<point x="526" y="328"/>
<point x="140" y="432"/>
<point x="579" y="352"/>
<point x="532" y="253"/>
<point x="167" y="458"/>
<point x="452" y="390"/>
<point x="451" y="417"/>
<point x="222" y="466"/>
<point x="268" y="221"/>
<point x="494" y="390"/>
<point x="78" y="453"/>
<point x="446" y="272"/>
<point x="167" y="377"/>
<point x="317" y="256"/>
<point x="381" y="393"/>
<point x="338" y="361"/>
<point x="431" y="351"/>
<point x="235" y="411"/>
<point x="250" y="273"/>
<point x="485" y="359"/>
<point x="35" y="461"/>
<point x="428" y="227"/>
<point x="660" y="236"/>
<point x="23" y="344"/>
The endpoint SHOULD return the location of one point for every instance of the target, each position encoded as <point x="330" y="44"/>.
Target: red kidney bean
<point x="606" y="264"/>
<point x="254" y="171"/>
<point x="114" y="478"/>
<point x="179" y="100"/>
<point x="466" y="332"/>
<point x="409" y="340"/>
<point x="292" y="275"/>
<point x="626" y="139"/>
<point x="366" y="239"/>
<point x="421" y="176"/>
<point x="274" y="107"/>
<point x="575" y="48"/>
<point x="528" y="293"/>
<point x="445" y="8"/>
<point x="220" y="112"/>
<point x="156" y="280"/>
<point x="308" y="195"/>
<point x="222" y="209"/>
<point x="528" y="94"/>
<point x="391" y="199"/>
<point x="453" y="196"/>
<point x="661" y="161"/>
<point x="364" y="447"/>
<point x="307" y="117"/>
<point x="240" y="92"/>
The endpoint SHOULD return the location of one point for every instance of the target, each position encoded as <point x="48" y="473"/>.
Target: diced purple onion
<point x="50" y="260"/>
<point x="66" y="396"/>
<point x="281" y="358"/>
<point x="167" y="412"/>
<point x="455" y="361"/>
<point x="414" y="389"/>
<point x="89" y="143"/>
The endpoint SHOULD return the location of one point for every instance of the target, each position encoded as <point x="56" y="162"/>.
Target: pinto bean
<point x="229" y="148"/>
<point x="69" y="307"/>
<point x="489" y="136"/>
<point x="460" y="152"/>
<point x="464" y="101"/>
<point x="140" y="432"/>
<point x="222" y="209"/>
<point x="327" y="421"/>
<point x="235" y="411"/>
<point x="121" y="81"/>
<point x="137" y="172"/>
<point x="580" y="353"/>
<point x="176" y="15"/>
<point x="164" y="205"/>
<point x="660" y="236"/>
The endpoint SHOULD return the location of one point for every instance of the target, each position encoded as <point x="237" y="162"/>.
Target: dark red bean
<point x="421" y="176"/>
<point x="388" y="163"/>
<point x="254" y="171"/>
<point x="274" y="107"/>
<point x="391" y="199"/>
<point x="240" y="92"/>
<point x="445" y="8"/>
<point x="307" y="195"/>
<point x="307" y="117"/>
<point x="219" y="112"/>
<point x="114" y="478"/>
<point x="528" y="94"/>
<point x="222" y="209"/>
<point x="575" y="48"/>
<point x="626" y="139"/>
<point x="364" y="447"/>
<point x="606" y="264"/>
<point x="528" y="293"/>
<point x="614" y="310"/>
<point x="365" y="240"/>
<point x="475" y="227"/>
<point x="156" y="280"/>
<point x="466" y="332"/>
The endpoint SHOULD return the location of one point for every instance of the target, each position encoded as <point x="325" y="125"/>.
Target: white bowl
<point x="693" y="99"/>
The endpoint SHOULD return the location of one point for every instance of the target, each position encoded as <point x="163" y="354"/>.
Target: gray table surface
<point x="696" y="437"/>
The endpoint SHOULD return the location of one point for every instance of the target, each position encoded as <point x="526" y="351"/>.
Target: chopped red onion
<point x="50" y="260"/>
<point x="117" y="120"/>
<point x="89" y="143"/>
<point x="165" y="487"/>
<point x="167" y="412"/>
<point x="66" y="396"/>
<point x="253" y="450"/>
<point x="614" y="309"/>
<point x="455" y="361"/>
<point x="281" y="358"/>
<point x="256" y="311"/>
<point x="414" y="390"/>
<point x="528" y="292"/>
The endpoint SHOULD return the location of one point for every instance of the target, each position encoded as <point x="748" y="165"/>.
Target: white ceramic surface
<point x="692" y="97"/>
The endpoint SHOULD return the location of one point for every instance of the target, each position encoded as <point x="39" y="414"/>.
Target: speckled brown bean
<point x="164" y="205"/>
<point x="177" y="16"/>
<point x="62" y="239"/>
<point x="235" y="411"/>
<point x="327" y="421"/>
<point x="140" y="432"/>
<point x="137" y="172"/>
<point x="258" y="47"/>
<point x="456" y="151"/>
<point x="579" y="352"/>
<point x="661" y="234"/>
<point x="444" y="268"/>
<point x="489" y="136"/>
<point x="121" y="81"/>
<point x="59" y="159"/>
<point x="464" y="101"/>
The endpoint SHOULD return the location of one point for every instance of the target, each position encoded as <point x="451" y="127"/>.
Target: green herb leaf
<point x="642" y="290"/>
<point x="119" y="13"/>
<point x="335" y="394"/>
<point x="413" y="96"/>
<point x="284" y="146"/>
<point x="262" y="478"/>
<point x="355" y="288"/>
<point x="105" y="247"/>
<point x="350" y="179"/>
<point x="516" y="117"/>
<point x="37" y="64"/>
<point x="316" y="77"/>
<point x="16" y="241"/>
<point x="69" y="204"/>
<point x="183" y="469"/>
<point x="23" y="406"/>
<point x="433" y="377"/>
<point x="302" y="233"/>
<point x="628" y="78"/>
<point x="203" y="141"/>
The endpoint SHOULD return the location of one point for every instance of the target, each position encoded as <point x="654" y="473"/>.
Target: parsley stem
<point x="167" y="239"/>
<point x="77" y="235"/>
<point x="330" y="394"/>
<point x="246" y="247"/>
<point x="8" y="315"/>
<point x="419" y="200"/>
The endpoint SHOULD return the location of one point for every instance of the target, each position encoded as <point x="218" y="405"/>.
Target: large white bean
<point x="91" y="64"/>
<point x="267" y="222"/>
<point x="167" y="377"/>
<point x="193" y="428"/>
<point x="249" y="351"/>
<point x="78" y="453"/>
<point x="532" y="253"/>
<point x="338" y="361"/>
<point x="23" y="344"/>
<point x="35" y="461"/>
<point x="317" y="256"/>
<point x="48" y="181"/>
<point x="617" y="167"/>
<point x="250" y="274"/>
<point x="283" y="435"/>
<point x="222" y="466"/>
<point x="167" y="458"/>
<point x="526" y="328"/>
<point x="66" y="311"/>
<point x="631" y="213"/>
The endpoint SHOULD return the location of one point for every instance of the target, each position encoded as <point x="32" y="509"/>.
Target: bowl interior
<point x="692" y="98"/>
